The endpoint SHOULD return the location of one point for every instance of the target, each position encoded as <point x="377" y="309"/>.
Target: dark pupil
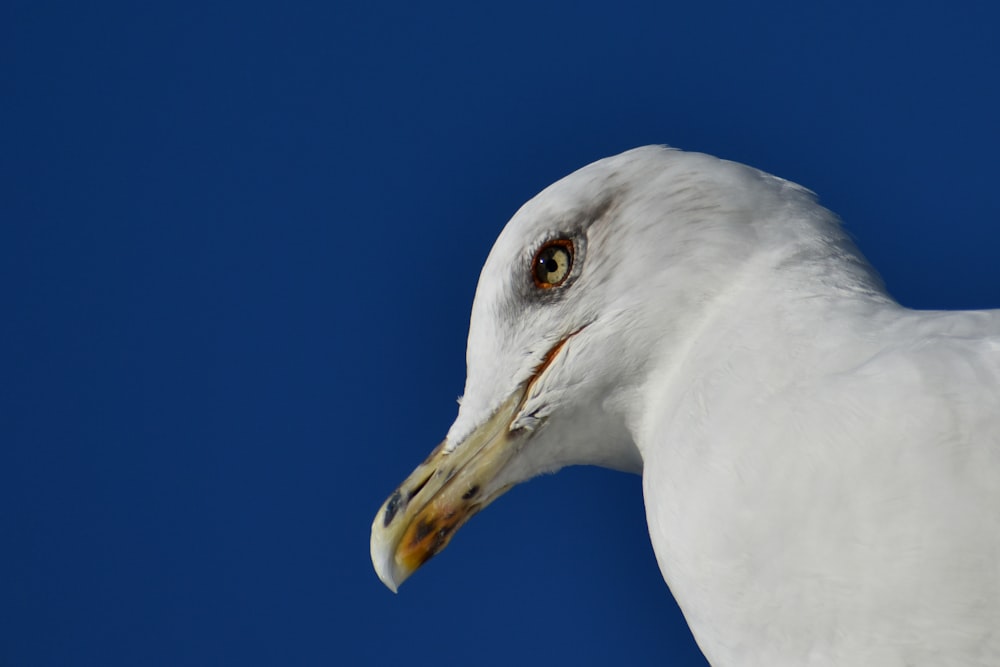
<point x="550" y="264"/>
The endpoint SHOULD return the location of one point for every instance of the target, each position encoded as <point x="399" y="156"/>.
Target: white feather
<point x="821" y="467"/>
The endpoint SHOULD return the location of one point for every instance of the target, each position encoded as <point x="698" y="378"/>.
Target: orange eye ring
<point x="552" y="264"/>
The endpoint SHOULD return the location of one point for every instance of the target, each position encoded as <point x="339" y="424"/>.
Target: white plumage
<point x="821" y="466"/>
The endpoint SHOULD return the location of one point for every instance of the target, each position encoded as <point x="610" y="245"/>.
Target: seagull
<point x="820" y="465"/>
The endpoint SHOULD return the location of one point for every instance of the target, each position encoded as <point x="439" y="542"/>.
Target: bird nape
<point x="820" y="465"/>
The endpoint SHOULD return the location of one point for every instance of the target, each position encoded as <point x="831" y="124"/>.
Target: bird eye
<point x="552" y="263"/>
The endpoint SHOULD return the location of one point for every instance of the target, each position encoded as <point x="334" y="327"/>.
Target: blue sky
<point x="239" y="243"/>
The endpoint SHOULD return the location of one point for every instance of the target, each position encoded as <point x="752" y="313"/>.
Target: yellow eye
<point x="552" y="263"/>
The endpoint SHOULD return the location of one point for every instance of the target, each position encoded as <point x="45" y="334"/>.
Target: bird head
<point x="597" y="280"/>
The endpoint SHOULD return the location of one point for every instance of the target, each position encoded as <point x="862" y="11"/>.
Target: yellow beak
<point x="419" y="518"/>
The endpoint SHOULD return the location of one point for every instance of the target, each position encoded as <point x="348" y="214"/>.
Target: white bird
<point x="820" y="466"/>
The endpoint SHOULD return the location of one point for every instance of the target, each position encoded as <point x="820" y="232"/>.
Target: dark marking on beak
<point x="391" y="507"/>
<point x="438" y="542"/>
<point x="473" y="490"/>
<point x="424" y="528"/>
<point x="430" y="535"/>
<point x="442" y="536"/>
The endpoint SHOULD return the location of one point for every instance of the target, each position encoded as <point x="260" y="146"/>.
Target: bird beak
<point x="454" y="483"/>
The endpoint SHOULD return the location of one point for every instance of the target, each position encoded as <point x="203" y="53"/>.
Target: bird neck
<point x="709" y="431"/>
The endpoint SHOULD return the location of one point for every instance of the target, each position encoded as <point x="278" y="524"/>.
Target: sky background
<point x="238" y="247"/>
